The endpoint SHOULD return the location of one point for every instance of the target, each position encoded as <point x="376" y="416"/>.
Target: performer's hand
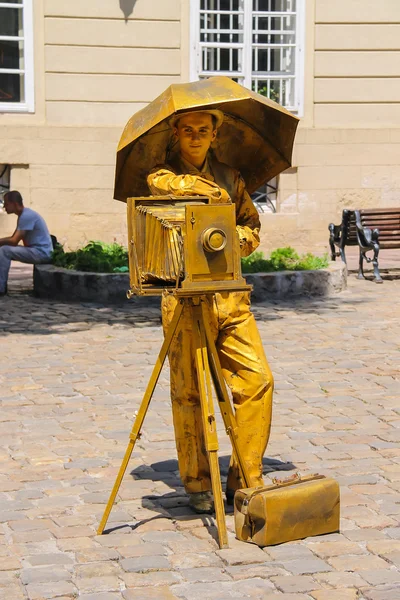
<point x="225" y="197"/>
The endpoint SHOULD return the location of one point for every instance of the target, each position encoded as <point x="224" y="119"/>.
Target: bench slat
<point x="391" y="223"/>
<point x="372" y="211"/>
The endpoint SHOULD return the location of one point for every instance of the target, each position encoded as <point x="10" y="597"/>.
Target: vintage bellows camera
<point x="188" y="243"/>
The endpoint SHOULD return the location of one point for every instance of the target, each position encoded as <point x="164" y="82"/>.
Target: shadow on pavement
<point x="174" y="505"/>
<point x="25" y="314"/>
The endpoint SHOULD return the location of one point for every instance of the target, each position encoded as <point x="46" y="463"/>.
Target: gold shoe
<point x="202" y="502"/>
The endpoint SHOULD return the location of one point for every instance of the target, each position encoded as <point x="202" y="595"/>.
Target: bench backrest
<point x="349" y="230"/>
<point x="387" y="220"/>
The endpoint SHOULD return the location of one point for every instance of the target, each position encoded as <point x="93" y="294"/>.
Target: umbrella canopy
<point x="256" y="136"/>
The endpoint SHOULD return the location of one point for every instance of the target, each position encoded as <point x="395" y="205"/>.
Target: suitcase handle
<point x="291" y="480"/>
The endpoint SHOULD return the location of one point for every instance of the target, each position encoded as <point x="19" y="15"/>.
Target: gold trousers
<point x="247" y="374"/>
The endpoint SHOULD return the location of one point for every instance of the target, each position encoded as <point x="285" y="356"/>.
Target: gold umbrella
<point x="256" y="136"/>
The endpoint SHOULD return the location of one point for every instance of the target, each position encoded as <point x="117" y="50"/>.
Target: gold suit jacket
<point x="216" y="180"/>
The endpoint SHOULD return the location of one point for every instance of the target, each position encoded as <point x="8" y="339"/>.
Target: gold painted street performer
<point x="193" y="170"/>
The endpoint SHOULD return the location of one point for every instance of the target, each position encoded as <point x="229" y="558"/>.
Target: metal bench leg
<point x="361" y="266"/>
<point x="333" y="251"/>
<point x="377" y="275"/>
<point x="343" y="254"/>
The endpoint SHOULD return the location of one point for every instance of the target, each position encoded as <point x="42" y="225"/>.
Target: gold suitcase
<point x="289" y="509"/>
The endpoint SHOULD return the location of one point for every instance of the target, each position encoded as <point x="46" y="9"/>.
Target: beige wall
<point x="347" y="152"/>
<point x="95" y="66"/>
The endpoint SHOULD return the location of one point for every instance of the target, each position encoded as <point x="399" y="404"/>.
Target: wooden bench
<point x="372" y="229"/>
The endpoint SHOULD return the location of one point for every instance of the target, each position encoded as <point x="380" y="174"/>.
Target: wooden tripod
<point x="208" y="370"/>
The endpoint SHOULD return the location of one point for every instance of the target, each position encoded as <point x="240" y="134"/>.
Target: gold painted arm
<point x="166" y="182"/>
<point x="248" y="222"/>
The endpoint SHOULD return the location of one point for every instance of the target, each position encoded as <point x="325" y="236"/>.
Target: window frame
<point x="247" y="48"/>
<point x="28" y="105"/>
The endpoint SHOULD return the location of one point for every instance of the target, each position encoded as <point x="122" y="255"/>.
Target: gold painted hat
<point x="218" y="114"/>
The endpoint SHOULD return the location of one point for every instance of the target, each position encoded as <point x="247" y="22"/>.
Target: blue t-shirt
<point x="37" y="235"/>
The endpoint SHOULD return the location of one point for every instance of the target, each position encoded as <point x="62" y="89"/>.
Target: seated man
<point x="31" y="230"/>
<point x="195" y="171"/>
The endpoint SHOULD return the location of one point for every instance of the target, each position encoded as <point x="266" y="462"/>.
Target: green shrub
<point x="113" y="258"/>
<point x="283" y="259"/>
<point x="95" y="256"/>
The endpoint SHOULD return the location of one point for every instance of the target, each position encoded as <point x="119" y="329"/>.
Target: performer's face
<point x="195" y="133"/>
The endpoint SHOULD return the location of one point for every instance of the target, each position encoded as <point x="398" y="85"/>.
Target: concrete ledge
<point x="284" y="284"/>
<point x="65" y="284"/>
<point x="81" y="286"/>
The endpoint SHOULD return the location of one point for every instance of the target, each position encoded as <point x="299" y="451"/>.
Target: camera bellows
<point x="159" y="242"/>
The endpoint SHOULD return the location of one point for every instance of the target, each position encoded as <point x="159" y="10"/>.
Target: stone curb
<point x="283" y="284"/>
<point x="65" y="284"/>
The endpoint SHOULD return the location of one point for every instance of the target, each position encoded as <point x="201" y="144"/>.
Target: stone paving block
<point x="384" y="546"/>
<point x="154" y="578"/>
<point x="247" y="553"/>
<point x="156" y="525"/>
<point x="9" y="515"/>
<point x="142" y="564"/>
<point x="393" y="532"/>
<point x="118" y="539"/>
<point x="91" y="585"/>
<point x="254" y="587"/>
<point x="98" y="569"/>
<point x="289" y="551"/>
<point x="58" y="558"/>
<point x="343" y="594"/>
<point x="208" y="534"/>
<point x="358" y="563"/>
<point x="393" y="558"/>
<point x="75" y="544"/>
<point x="144" y="549"/>
<point x="382" y="576"/>
<point x="9" y="563"/>
<point x="194" y="560"/>
<point x="363" y="535"/>
<point x="306" y="566"/>
<point x="158" y="593"/>
<point x="385" y="592"/>
<point x="327" y="549"/>
<point x="97" y="554"/>
<point x="199" y="591"/>
<point x="192" y="544"/>
<point x="50" y="590"/>
<point x="295" y="584"/>
<point x="8" y="577"/>
<point x="341" y="579"/>
<point x="102" y="596"/>
<point x="13" y="591"/>
<point x="44" y="574"/>
<point x="210" y="574"/>
<point x="262" y="570"/>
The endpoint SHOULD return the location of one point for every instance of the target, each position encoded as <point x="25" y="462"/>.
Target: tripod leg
<point x="209" y="423"/>
<point x="224" y="402"/>
<point x="137" y="425"/>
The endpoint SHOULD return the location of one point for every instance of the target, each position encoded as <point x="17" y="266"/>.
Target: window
<point x="16" y="56"/>
<point x="265" y="198"/>
<point x="4" y="182"/>
<point x="256" y="42"/>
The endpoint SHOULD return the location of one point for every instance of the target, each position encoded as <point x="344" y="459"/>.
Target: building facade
<point x="73" y="72"/>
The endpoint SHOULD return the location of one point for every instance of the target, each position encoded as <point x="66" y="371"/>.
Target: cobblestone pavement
<point x="71" y="378"/>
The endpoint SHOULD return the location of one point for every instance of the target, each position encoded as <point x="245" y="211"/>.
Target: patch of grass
<point x="95" y="256"/>
<point x="283" y="259"/>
